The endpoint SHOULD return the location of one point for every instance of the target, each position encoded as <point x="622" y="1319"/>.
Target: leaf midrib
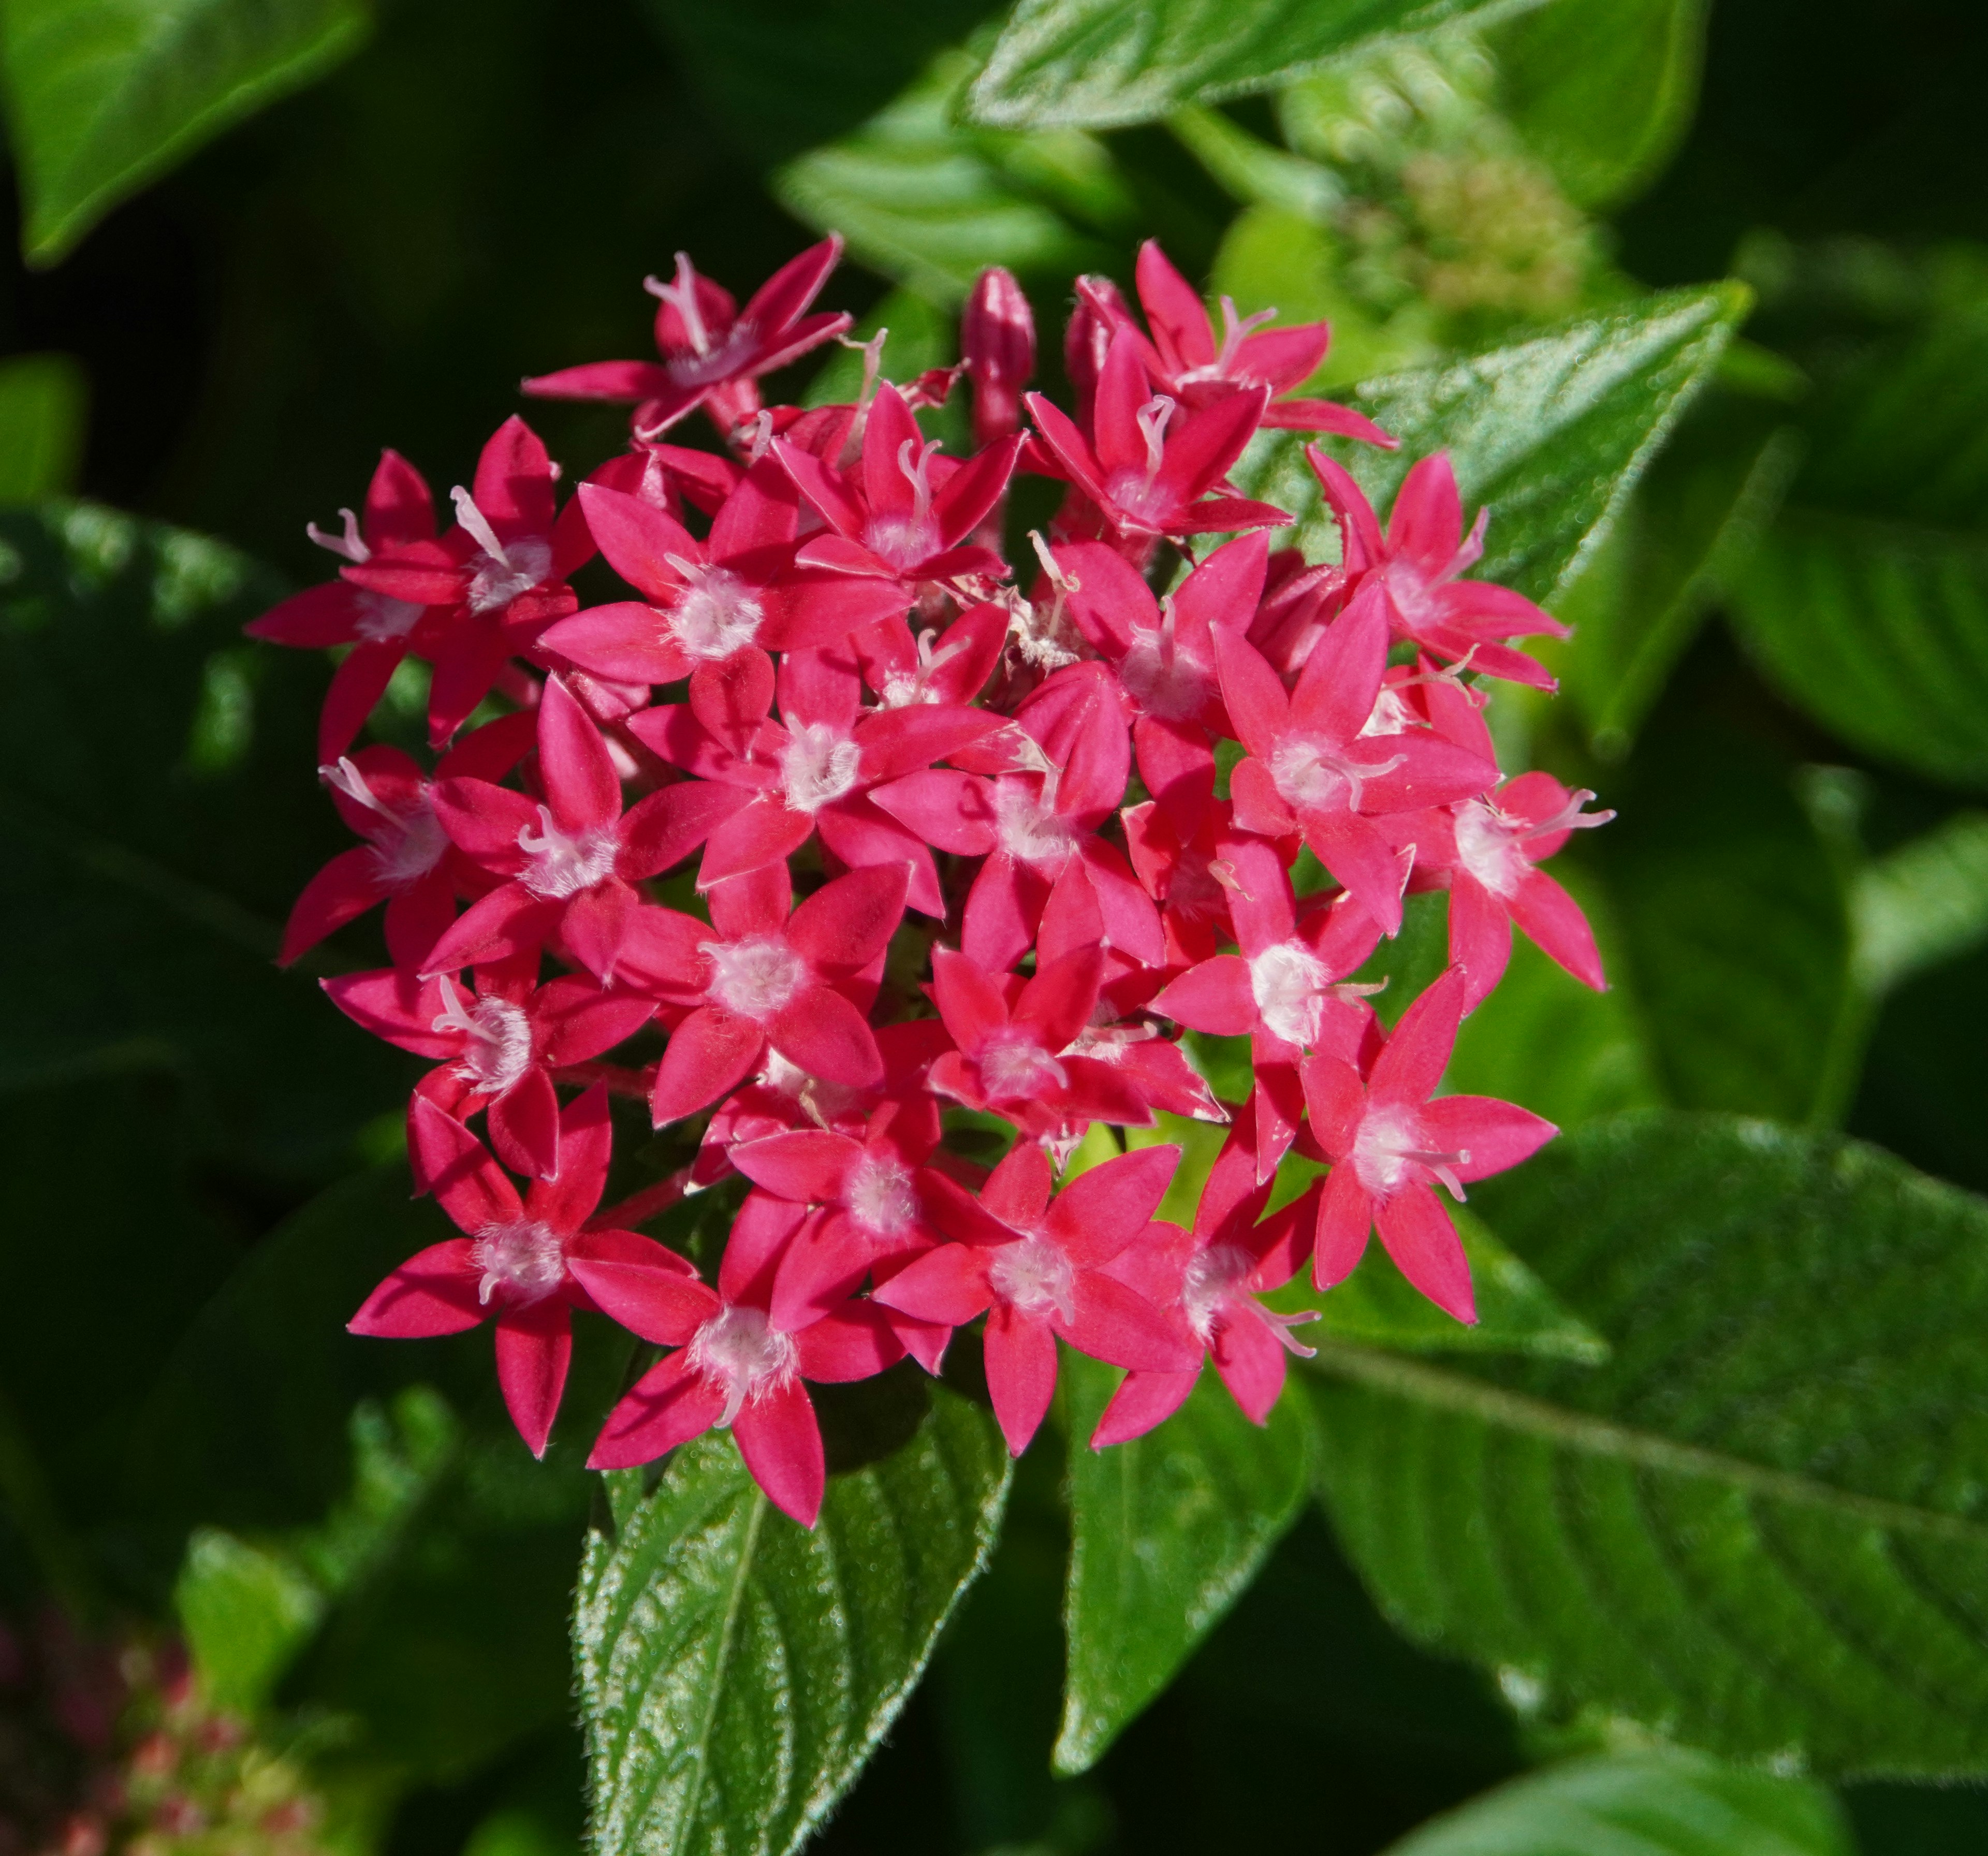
<point x="1520" y="1411"/>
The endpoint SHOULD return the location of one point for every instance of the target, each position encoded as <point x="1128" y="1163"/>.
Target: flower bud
<point x="1088" y="337"/>
<point x="997" y="338"/>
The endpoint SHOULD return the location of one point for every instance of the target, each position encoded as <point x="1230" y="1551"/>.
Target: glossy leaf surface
<point x="735" y="1670"/>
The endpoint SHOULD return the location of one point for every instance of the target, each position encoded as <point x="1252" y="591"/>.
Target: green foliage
<point x="104" y="96"/>
<point x="1647" y="1803"/>
<point x="1923" y="903"/>
<point x="735" y="1670"/>
<point x="41" y="402"/>
<point x="1551" y="433"/>
<point x="1107" y="63"/>
<point x="1603" y="90"/>
<point x="1757" y="1527"/>
<point x="1166" y="1531"/>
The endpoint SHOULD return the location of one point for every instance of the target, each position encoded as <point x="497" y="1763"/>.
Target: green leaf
<point x="1761" y="1526"/>
<point x="247" y="1611"/>
<point x="159" y="816"/>
<point x="1603" y="90"/>
<point x="42" y="398"/>
<point x="929" y="204"/>
<point x="105" y="95"/>
<point x="1102" y="64"/>
<point x="1550" y="433"/>
<point x="1735" y="930"/>
<point x="1657" y="1803"/>
<point x="736" y="1670"/>
<point x="1166" y="1533"/>
<point x="1878" y="629"/>
<point x="1923" y="904"/>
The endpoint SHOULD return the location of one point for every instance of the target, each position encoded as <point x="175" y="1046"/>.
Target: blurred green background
<point x="1781" y="682"/>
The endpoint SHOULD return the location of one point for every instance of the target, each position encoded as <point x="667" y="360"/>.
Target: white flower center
<point x="500" y="579"/>
<point x="1162" y="680"/>
<point x="1408" y="590"/>
<point x="562" y="865"/>
<point x="381" y="620"/>
<point x="754" y="978"/>
<point x="522" y="1258"/>
<point x="1391" y="714"/>
<point x="1310" y="776"/>
<point x="716" y="363"/>
<point x="737" y="1352"/>
<point x="717" y="614"/>
<point x="1212" y="1276"/>
<point x="1034" y="1276"/>
<point x="1392" y="1150"/>
<point x="1288" y="983"/>
<point x="497" y="1047"/>
<point x="881" y="1197"/>
<point x="1017" y="1066"/>
<point x="410" y="844"/>
<point x="818" y="763"/>
<point x="1488" y="848"/>
<point x="1029" y="832"/>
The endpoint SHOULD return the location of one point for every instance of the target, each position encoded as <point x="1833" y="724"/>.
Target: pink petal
<point x="732" y="696"/>
<point x="762" y="1236"/>
<point x="525" y="1125"/>
<point x="1423" y="1244"/>
<point x="602" y="381"/>
<point x="508" y="921"/>
<point x="1110" y="1321"/>
<point x="637" y="538"/>
<point x="565" y="1200"/>
<point x="344" y="890"/>
<point x="1214" y="997"/>
<point x="822" y="1265"/>
<point x="1142" y="1400"/>
<point x="855" y="1342"/>
<point x="1056" y="1004"/>
<point x="949" y="810"/>
<point x="1554" y="920"/>
<point x="948" y="1284"/>
<point x="1100" y="1212"/>
<point x="595" y="925"/>
<point x="865" y="837"/>
<point x="653" y="1299"/>
<point x="417" y="917"/>
<point x="1174" y="310"/>
<point x="1021" y="1356"/>
<point x="823" y="487"/>
<point x="1017" y="1192"/>
<point x="1177" y="765"/>
<point x="1360" y="857"/>
<point x="1493" y="1134"/>
<point x="1062" y="437"/>
<point x="1257" y="805"/>
<point x="534" y="1348"/>
<point x="968" y="1000"/>
<point x="670" y="1404"/>
<point x="484" y="821"/>
<point x="708" y="1056"/>
<point x="822" y="1032"/>
<point x="1335" y="1099"/>
<point x="1426" y="524"/>
<point x="766" y="831"/>
<point x="433" y="1292"/>
<point x="577" y="1020"/>
<point x="847" y="923"/>
<point x="581" y="785"/>
<point x="626" y="640"/>
<point x="1200" y="448"/>
<point x="959" y="1214"/>
<point x="781" y="1442"/>
<point x="397" y="1006"/>
<point x="1326" y="416"/>
<point x="1342" y="677"/>
<point x="810" y="1166"/>
<point x="1345" y="1217"/>
<point x="1252" y="693"/>
<point x="356" y="686"/>
<point x="1251" y="1361"/>
<point x="1417" y="1050"/>
<point x="1111" y="600"/>
<point x="1480" y="938"/>
<point x="467" y="1183"/>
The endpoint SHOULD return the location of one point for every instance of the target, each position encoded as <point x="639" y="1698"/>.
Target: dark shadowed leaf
<point x="735" y="1669"/>
<point x="1166" y="1533"/>
<point x="1658" y="1802"/>
<point x="1758" y="1527"/>
<point x="104" y="96"/>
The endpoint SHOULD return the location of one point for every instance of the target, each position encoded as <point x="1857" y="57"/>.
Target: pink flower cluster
<point x="961" y="851"/>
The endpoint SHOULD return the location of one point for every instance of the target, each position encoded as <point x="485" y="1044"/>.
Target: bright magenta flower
<point x="512" y="1263"/>
<point x="741" y="1358"/>
<point x="712" y="350"/>
<point x="1417" y="567"/>
<point x="1150" y="466"/>
<point x="1209" y="1279"/>
<point x="1313" y="768"/>
<point x="571" y="858"/>
<point x="760" y="977"/>
<point x="1388" y="1142"/>
<point x="1034" y="1265"/>
<point x="1184" y="360"/>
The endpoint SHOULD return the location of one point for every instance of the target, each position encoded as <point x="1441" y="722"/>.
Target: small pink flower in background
<point x="1184" y="360"/>
<point x="1034" y="1266"/>
<point x="1418" y="564"/>
<point x="740" y="1357"/>
<point x="1389" y="1143"/>
<point x="712" y="350"/>
<point x="1209" y="1279"/>
<point x="511" y="1264"/>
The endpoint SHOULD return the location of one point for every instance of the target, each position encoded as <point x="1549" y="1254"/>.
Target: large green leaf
<point x="1166" y="1533"/>
<point x="1923" y="903"/>
<point x="1603" y="90"/>
<point x="931" y="204"/>
<point x="41" y="402"/>
<point x="1761" y="1526"/>
<point x="1735" y="930"/>
<point x="1105" y="63"/>
<point x="105" y="95"/>
<point x="1658" y="1802"/>
<point x="735" y="1670"/>
<point x="159" y="813"/>
<point x="1550" y="433"/>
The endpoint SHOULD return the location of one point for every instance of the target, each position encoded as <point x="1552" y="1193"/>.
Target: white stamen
<point x="717" y="614"/>
<point x="818" y="763"/>
<point x="1152" y="419"/>
<point x="413" y="843"/>
<point x="754" y="978"/>
<point x="1016" y="1066"/>
<point x="1028" y="827"/>
<point x="1034" y="1276"/>
<point x="1311" y="776"/>
<point x="523" y="1257"/>
<point x="504" y="572"/>
<point x="681" y="296"/>
<point x="905" y="540"/>
<point x="1288" y="982"/>
<point x="740" y="1354"/>
<point x="561" y="865"/>
<point x="381" y="620"/>
<point x="349" y="545"/>
<point x="1390" y="1147"/>
<point x="880" y="1198"/>
<point x="497" y="1046"/>
<point x="1160" y="677"/>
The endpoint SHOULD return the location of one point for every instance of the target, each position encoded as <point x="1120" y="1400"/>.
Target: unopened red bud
<point x="997" y="340"/>
<point x="1086" y="339"/>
